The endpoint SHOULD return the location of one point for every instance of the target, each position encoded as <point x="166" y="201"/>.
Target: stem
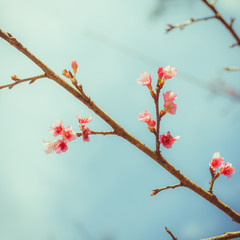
<point x="156" y="101"/>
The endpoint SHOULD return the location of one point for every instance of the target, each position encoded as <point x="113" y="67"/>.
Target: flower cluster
<point x="169" y="106"/>
<point x="85" y="131"/>
<point x="60" y="145"/>
<point x="226" y="169"/>
<point x="68" y="74"/>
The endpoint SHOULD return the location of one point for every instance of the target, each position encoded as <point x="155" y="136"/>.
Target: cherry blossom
<point x="145" y="79"/>
<point x="83" y="121"/>
<point x="227" y="169"/>
<point x="68" y="134"/>
<point x="169" y="72"/>
<point x="145" y="116"/>
<point x="167" y="140"/>
<point x="74" y="66"/>
<point x="169" y="96"/>
<point x="170" y="107"/>
<point x="61" y="146"/>
<point x="217" y="161"/>
<point x="152" y="123"/>
<point x="49" y="146"/>
<point x="85" y="134"/>
<point x="56" y="128"/>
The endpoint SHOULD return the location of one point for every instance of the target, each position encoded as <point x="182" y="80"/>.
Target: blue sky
<point x="101" y="190"/>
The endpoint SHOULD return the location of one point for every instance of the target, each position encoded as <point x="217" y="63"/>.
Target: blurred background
<point x="101" y="190"/>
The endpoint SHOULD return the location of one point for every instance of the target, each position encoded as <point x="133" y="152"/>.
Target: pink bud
<point x="217" y="161"/>
<point x="169" y="72"/>
<point x="170" y="107"/>
<point x="74" y="66"/>
<point x="227" y="169"/>
<point x="152" y="123"/>
<point x="66" y="73"/>
<point x="167" y="140"/>
<point x="160" y="72"/>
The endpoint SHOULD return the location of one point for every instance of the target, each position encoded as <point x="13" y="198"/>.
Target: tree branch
<point x="122" y="132"/>
<point x="99" y="133"/>
<point x="225" y="236"/>
<point x="232" y="68"/>
<point x="157" y="190"/>
<point x="18" y="81"/>
<point x="170" y="233"/>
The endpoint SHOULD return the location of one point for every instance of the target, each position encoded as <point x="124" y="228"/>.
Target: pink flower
<point x="68" y="134"/>
<point x="85" y="134"/>
<point x="167" y="140"/>
<point x="49" y="146"/>
<point x="170" y="107"/>
<point x="169" y="96"/>
<point x="145" y="79"/>
<point x="169" y="72"/>
<point x="84" y="121"/>
<point x="152" y="123"/>
<point x="74" y="66"/>
<point x="217" y="161"/>
<point x="61" y="146"/>
<point x="160" y="72"/>
<point x="227" y="169"/>
<point x="56" y="128"/>
<point x="145" y="116"/>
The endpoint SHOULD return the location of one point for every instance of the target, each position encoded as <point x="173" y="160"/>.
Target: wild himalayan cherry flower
<point x="227" y="169"/>
<point x="56" y="128"/>
<point x="74" y="66"/>
<point x="83" y="121"/>
<point x="169" y="96"/>
<point x="68" y="134"/>
<point x="169" y="72"/>
<point x="152" y="123"/>
<point x="61" y="146"/>
<point x="170" y="107"/>
<point x="85" y="134"/>
<point x="167" y="140"/>
<point x="160" y="72"/>
<point x="49" y="146"/>
<point x="145" y="79"/>
<point x="145" y="117"/>
<point x="217" y="161"/>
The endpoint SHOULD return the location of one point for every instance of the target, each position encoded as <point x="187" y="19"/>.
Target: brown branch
<point x="228" y="26"/>
<point x="18" y="81"/>
<point x="232" y="68"/>
<point x="98" y="133"/>
<point x="158" y="119"/>
<point x="157" y="190"/>
<point x="122" y="132"/>
<point x="190" y="21"/>
<point x="225" y="236"/>
<point x="170" y="233"/>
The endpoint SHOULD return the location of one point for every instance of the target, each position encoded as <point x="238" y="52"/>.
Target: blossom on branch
<point x="85" y="134"/>
<point x="145" y="79"/>
<point x="68" y="134"/>
<point x="160" y="72"/>
<point x="169" y="106"/>
<point x="83" y="121"/>
<point x="227" y="169"/>
<point x="49" y="146"/>
<point x="145" y="116"/>
<point x="167" y="140"/>
<point x="57" y="128"/>
<point x="169" y="96"/>
<point x="217" y="161"/>
<point x="61" y="146"/>
<point x="66" y="73"/>
<point x="169" y="72"/>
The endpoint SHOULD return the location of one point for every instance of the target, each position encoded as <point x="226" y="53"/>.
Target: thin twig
<point x="225" y="236"/>
<point x="18" y="81"/>
<point x="99" y="133"/>
<point x="157" y="190"/>
<point x="190" y="21"/>
<point x="232" y="68"/>
<point x="158" y="119"/>
<point x="170" y="233"/>
<point x="122" y="132"/>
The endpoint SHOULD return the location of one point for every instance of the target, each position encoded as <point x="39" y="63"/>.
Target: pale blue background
<point x="101" y="190"/>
